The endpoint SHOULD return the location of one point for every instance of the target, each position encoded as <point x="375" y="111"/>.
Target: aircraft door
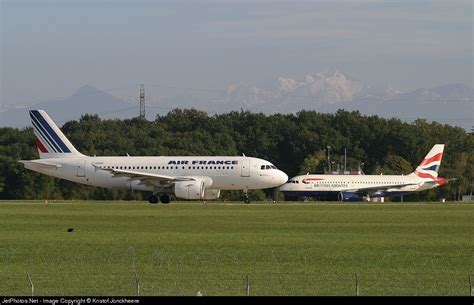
<point x="81" y="168"/>
<point x="245" y="168"/>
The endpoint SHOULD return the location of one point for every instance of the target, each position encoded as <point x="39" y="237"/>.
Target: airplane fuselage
<point x="224" y="173"/>
<point x="349" y="187"/>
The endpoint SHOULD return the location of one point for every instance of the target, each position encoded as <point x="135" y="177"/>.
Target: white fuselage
<point x="224" y="173"/>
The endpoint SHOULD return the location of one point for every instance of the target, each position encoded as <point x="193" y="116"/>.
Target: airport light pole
<point x="329" y="159"/>
<point x="345" y="159"/>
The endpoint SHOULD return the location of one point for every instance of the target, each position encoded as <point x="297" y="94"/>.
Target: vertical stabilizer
<point x="50" y="140"/>
<point x="428" y="168"/>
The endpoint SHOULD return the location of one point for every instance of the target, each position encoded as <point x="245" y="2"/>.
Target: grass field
<point x="283" y="249"/>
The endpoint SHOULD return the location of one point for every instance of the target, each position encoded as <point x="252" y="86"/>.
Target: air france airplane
<point x="184" y="177"/>
<point x="360" y="187"/>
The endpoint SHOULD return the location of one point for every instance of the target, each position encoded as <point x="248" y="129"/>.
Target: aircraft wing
<point x="146" y="178"/>
<point x="440" y="181"/>
<point x="374" y="189"/>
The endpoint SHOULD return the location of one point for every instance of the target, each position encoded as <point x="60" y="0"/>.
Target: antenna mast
<point x="142" y="102"/>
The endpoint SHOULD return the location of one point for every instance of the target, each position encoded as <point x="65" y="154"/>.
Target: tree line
<point x="295" y="143"/>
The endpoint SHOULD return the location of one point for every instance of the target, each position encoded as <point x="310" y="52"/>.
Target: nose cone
<point x="282" y="177"/>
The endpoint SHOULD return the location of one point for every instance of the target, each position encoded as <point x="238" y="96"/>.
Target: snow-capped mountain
<point x="329" y="87"/>
<point x="325" y="91"/>
<point x="286" y="94"/>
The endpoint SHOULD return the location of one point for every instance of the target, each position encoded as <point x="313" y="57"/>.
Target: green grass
<point x="284" y="249"/>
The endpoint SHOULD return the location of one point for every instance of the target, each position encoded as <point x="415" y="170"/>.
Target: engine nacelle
<point x="350" y="196"/>
<point x="189" y="189"/>
<point x="211" y="194"/>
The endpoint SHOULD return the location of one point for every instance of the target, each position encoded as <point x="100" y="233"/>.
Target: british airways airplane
<point x="199" y="178"/>
<point x="360" y="187"/>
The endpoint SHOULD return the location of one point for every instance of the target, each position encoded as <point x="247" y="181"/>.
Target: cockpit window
<point x="265" y="167"/>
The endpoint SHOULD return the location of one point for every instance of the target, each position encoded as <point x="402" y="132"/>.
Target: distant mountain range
<point x="87" y="99"/>
<point x="325" y="91"/>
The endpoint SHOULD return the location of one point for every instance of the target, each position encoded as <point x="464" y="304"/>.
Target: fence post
<point x="134" y="269"/>
<point x="471" y="293"/>
<point x="357" y="284"/>
<point x="137" y="283"/>
<point x="31" y="283"/>
<point x="247" y="286"/>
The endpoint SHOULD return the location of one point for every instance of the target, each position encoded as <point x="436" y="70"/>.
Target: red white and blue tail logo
<point x="428" y="168"/>
<point x="51" y="142"/>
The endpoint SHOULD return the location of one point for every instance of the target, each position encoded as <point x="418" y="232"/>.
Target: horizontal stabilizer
<point x="39" y="163"/>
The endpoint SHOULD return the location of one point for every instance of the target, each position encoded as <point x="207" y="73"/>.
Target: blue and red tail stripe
<point x="47" y="133"/>
<point x="40" y="146"/>
<point x="431" y="168"/>
<point x="42" y="136"/>
<point x="425" y="175"/>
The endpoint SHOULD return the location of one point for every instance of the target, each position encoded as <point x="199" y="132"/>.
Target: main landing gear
<point x="246" y="198"/>
<point x="155" y="199"/>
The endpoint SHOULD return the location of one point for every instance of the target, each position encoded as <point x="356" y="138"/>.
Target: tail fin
<point x="428" y="168"/>
<point x="51" y="142"/>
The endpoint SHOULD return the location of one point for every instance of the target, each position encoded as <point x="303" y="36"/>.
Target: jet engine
<point x="350" y="196"/>
<point x="189" y="189"/>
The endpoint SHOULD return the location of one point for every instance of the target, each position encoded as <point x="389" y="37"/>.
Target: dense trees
<point x="296" y="143"/>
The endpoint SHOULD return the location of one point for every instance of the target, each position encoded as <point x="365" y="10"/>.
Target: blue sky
<point x="51" y="48"/>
